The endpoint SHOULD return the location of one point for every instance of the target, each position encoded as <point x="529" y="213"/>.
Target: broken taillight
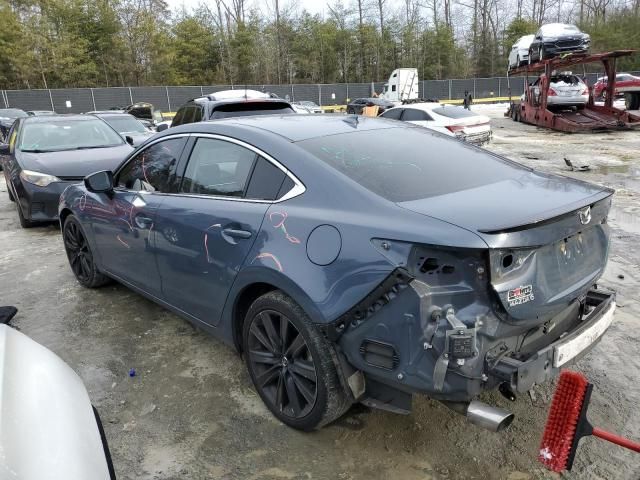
<point x="551" y="93"/>
<point x="585" y="91"/>
<point x="455" y="128"/>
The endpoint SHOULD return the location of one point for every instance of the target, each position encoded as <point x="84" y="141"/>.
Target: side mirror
<point x="162" y="127"/>
<point x="99" y="182"/>
<point x="4" y="149"/>
<point x="129" y="140"/>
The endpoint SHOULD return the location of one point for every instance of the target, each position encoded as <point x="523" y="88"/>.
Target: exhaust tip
<point x="492" y="418"/>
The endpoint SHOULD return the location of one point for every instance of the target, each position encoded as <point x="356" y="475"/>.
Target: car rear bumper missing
<point x="546" y="363"/>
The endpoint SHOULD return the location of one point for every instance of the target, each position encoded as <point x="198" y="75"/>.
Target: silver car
<point x="565" y="89"/>
<point x="519" y="54"/>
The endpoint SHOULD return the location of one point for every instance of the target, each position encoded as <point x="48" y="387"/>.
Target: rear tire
<point x="291" y="364"/>
<point x="632" y="100"/>
<point x="80" y="256"/>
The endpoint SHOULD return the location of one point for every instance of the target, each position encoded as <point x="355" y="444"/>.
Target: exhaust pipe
<point x="493" y="419"/>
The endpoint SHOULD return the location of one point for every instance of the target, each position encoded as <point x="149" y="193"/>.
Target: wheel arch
<point x="64" y="213"/>
<point x="252" y="283"/>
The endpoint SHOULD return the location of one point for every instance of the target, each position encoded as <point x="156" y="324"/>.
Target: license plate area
<point x="566" y="350"/>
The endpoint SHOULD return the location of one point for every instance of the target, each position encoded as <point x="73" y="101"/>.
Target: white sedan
<point x="565" y="90"/>
<point x="519" y="54"/>
<point x="448" y="119"/>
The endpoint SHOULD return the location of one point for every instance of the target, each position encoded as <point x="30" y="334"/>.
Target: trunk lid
<point x="547" y="236"/>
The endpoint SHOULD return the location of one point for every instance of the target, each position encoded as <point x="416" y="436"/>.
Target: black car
<point x="357" y="105"/>
<point x="554" y="39"/>
<point x="229" y="103"/>
<point x="47" y="154"/>
<point x="7" y="117"/>
<point x="131" y="129"/>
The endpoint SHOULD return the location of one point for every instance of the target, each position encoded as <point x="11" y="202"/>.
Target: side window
<point x="393" y="114"/>
<point x="415" y="115"/>
<point x="188" y="115"/>
<point x="178" y="119"/>
<point x="152" y="169"/>
<point x="265" y="182"/>
<point x="197" y="114"/>
<point x="217" y="167"/>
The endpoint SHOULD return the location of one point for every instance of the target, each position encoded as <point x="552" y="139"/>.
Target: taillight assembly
<point x="585" y="91"/>
<point x="455" y="128"/>
<point x="552" y="93"/>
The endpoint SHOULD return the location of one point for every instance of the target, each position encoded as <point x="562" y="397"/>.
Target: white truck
<point x="402" y="85"/>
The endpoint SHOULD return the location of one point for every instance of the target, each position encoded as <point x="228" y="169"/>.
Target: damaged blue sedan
<point x="353" y="259"/>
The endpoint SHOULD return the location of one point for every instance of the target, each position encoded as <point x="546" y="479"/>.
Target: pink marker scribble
<point x="149" y="234"/>
<point x="272" y="257"/>
<point x="122" y="241"/>
<point x="277" y="221"/>
<point x="206" y="239"/>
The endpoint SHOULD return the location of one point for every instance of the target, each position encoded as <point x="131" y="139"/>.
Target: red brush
<point x="567" y="423"/>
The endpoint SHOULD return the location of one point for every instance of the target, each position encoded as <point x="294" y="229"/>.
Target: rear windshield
<point x="409" y="163"/>
<point x="125" y="124"/>
<point x="67" y="135"/>
<point x="246" y="109"/>
<point x="566" y="80"/>
<point x="454" y="112"/>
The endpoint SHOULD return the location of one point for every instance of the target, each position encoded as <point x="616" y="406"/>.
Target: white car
<point x="565" y="89"/>
<point x="451" y="120"/>
<point x="48" y="428"/>
<point x="519" y="54"/>
<point x="311" y="106"/>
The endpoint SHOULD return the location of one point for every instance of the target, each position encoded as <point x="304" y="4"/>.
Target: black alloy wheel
<point x="291" y="363"/>
<point x="79" y="254"/>
<point x="282" y="363"/>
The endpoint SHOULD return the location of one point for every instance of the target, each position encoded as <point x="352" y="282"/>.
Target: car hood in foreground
<point x="47" y="428"/>
<point x="507" y="212"/>
<point x="75" y="163"/>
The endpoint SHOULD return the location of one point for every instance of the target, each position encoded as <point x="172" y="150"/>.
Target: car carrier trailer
<point x="533" y="109"/>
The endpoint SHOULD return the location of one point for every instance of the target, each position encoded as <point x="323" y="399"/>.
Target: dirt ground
<point x="191" y="412"/>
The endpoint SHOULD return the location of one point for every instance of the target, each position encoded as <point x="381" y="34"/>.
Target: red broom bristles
<point x="564" y="415"/>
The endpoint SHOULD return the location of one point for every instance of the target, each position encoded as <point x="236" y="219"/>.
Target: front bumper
<point x="40" y="204"/>
<point x="568" y="100"/>
<point x="558" y="48"/>
<point x="546" y="363"/>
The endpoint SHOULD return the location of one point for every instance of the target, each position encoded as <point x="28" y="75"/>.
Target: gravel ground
<point x="191" y="412"/>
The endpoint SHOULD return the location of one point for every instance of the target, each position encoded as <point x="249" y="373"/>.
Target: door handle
<point x="142" y="221"/>
<point x="232" y="232"/>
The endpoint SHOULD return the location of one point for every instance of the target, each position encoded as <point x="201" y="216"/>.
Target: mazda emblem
<point x="585" y="215"/>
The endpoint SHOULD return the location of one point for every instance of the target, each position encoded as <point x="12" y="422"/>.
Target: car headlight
<point x="37" y="178"/>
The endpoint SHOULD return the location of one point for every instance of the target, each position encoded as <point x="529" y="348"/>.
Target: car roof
<point x="230" y="101"/>
<point x="294" y="128"/>
<point x="113" y="114"/>
<point x="426" y="106"/>
<point x="59" y="118"/>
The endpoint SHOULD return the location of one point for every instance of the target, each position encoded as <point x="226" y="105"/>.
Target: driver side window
<point x="153" y="169"/>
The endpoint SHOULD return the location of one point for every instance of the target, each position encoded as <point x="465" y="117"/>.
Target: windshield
<point x="246" y="109"/>
<point x="125" y="124"/>
<point x="416" y="164"/>
<point x="454" y="112"/>
<point x="12" y="113"/>
<point x="558" y="29"/>
<point x="68" y="134"/>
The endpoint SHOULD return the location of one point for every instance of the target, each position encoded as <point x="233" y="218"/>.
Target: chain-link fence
<point x="167" y="99"/>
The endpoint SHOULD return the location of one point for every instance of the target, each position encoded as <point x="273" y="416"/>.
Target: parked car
<point x="309" y="107"/>
<point x="145" y="112"/>
<point x="555" y="39"/>
<point x="624" y="82"/>
<point x="37" y="113"/>
<point x="48" y="153"/>
<point x="451" y="120"/>
<point x="230" y="103"/>
<point x="7" y="117"/>
<point x="49" y="428"/>
<point x="519" y="54"/>
<point x="356" y="106"/>
<point x="565" y="90"/>
<point x="353" y="259"/>
<point x="127" y="126"/>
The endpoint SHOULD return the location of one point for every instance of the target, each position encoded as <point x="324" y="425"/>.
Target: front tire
<point x="80" y="256"/>
<point x="291" y="364"/>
